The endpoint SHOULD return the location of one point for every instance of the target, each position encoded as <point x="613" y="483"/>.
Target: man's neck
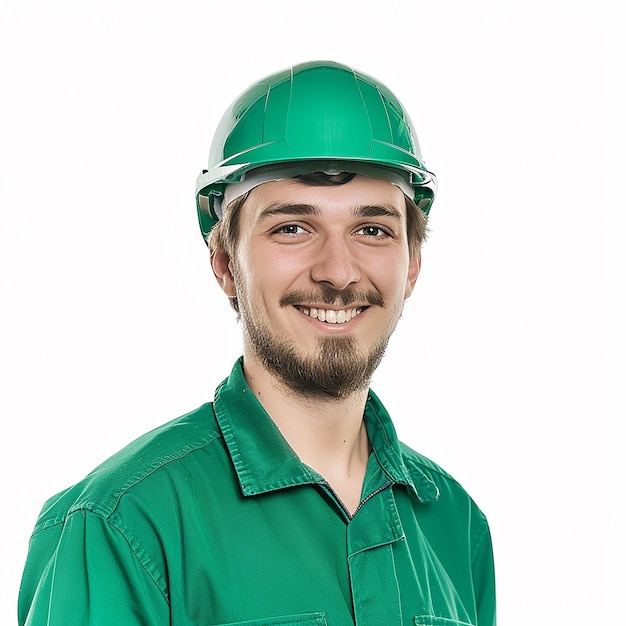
<point x="327" y="434"/>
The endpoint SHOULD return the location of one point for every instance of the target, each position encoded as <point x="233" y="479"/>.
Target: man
<point x="288" y="500"/>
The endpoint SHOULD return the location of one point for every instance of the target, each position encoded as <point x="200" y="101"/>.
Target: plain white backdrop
<point x="507" y="365"/>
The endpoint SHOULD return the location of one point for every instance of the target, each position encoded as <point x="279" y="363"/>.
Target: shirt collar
<point x="264" y="461"/>
<point x="386" y="448"/>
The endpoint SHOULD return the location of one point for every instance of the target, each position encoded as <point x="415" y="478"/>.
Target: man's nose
<point x="335" y="263"/>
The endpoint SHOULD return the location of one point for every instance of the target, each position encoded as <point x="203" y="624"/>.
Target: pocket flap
<point x="430" y="620"/>
<point x="302" y="619"/>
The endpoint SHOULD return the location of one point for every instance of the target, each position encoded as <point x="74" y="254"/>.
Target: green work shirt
<point x="212" y="519"/>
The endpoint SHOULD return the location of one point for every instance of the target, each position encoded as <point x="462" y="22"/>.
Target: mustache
<point x="330" y="295"/>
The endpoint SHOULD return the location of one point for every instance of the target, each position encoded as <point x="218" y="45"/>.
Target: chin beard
<point x="336" y="369"/>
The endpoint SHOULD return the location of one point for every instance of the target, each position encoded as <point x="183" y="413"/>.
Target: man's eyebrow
<point x="377" y="210"/>
<point x="287" y="208"/>
<point x="361" y="211"/>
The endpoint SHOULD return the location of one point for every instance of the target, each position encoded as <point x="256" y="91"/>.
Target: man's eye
<point x="373" y="231"/>
<point x="290" y="229"/>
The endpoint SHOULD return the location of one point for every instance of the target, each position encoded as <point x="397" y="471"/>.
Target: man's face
<point x="321" y="274"/>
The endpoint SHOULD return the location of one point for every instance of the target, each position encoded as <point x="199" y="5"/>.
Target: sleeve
<point x="483" y="574"/>
<point x="85" y="572"/>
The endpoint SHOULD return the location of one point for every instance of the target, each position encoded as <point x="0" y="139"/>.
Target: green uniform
<point x="212" y="519"/>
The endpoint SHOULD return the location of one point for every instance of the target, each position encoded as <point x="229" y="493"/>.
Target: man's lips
<point x="331" y="316"/>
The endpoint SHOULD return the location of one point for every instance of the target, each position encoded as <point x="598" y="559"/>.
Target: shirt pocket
<point x="302" y="619"/>
<point x="429" y="620"/>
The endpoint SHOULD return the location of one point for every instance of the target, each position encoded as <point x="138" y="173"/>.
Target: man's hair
<point x="225" y="234"/>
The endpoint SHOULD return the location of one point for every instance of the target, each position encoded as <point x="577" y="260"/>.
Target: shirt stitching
<point x="148" y="564"/>
<point x="112" y="499"/>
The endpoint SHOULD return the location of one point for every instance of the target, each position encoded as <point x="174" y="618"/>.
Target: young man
<point x="288" y="500"/>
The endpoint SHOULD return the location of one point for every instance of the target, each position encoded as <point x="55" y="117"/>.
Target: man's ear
<point x="220" y="262"/>
<point x="414" y="269"/>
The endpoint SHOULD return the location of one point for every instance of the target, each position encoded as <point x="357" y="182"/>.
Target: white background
<point x="506" y="366"/>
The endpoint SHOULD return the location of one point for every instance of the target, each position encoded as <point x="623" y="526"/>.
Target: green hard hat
<point x="317" y="112"/>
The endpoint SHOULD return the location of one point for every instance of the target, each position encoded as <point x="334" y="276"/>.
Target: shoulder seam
<point x="148" y="566"/>
<point x="424" y="463"/>
<point x="155" y="576"/>
<point x="135" y="479"/>
<point x="113" y="498"/>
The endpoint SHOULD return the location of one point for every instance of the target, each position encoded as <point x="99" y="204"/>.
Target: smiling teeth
<point x="331" y="316"/>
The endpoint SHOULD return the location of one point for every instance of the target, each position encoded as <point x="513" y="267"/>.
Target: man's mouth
<point x="331" y="316"/>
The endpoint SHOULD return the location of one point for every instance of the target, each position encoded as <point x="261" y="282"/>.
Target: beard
<point x="337" y="368"/>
